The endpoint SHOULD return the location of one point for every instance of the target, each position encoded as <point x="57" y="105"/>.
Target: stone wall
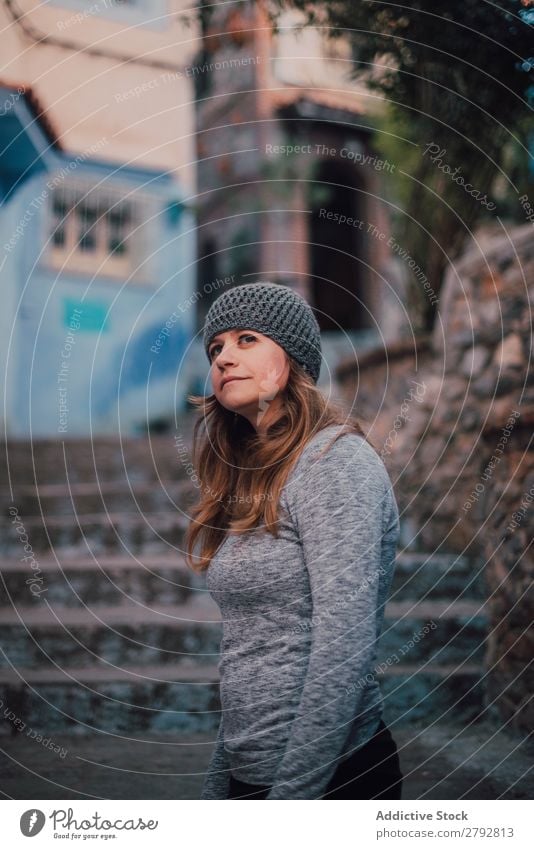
<point x="453" y="416"/>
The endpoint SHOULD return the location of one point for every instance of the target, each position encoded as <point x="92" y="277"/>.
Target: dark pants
<point x="372" y="772"/>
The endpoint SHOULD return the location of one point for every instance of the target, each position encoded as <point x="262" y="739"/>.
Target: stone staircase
<point x="123" y="636"/>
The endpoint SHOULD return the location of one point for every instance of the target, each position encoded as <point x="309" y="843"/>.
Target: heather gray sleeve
<point x="338" y="504"/>
<point x="217" y="780"/>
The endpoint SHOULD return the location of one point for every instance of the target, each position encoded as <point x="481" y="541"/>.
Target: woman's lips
<point x="232" y="379"/>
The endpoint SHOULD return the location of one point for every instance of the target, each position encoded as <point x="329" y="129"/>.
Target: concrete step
<point x="97" y="533"/>
<point x="431" y="691"/>
<point x="147" y="579"/>
<point x="134" y="459"/>
<point x="179" y="697"/>
<point x="166" y="673"/>
<point x="441" y="631"/>
<point x="119" y="633"/>
<point x="436" y="576"/>
<point x="71" y="499"/>
<point x="184" y="696"/>
<point x="116" y="579"/>
<point x="203" y="611"/>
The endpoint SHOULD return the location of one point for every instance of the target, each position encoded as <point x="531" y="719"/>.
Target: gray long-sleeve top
<point x="301" y="618"/>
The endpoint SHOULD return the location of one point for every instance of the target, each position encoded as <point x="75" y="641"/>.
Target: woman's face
<point x="259" y="363"/>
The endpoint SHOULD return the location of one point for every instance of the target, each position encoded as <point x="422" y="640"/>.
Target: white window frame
<point x="100" y="262"/>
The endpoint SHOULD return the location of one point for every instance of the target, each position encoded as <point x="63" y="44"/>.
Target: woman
<point x="298" y="525"/>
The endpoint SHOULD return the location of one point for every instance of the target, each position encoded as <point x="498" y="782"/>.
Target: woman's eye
<point x="213" y="351"/>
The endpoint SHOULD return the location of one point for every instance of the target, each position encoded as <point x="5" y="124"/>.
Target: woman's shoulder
<point x="333" y="441"/>
<point x="336" y="464"/>
<point x="332" y="448"/>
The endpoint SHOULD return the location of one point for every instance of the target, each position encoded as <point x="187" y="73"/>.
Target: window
<point x="92" y="231"/>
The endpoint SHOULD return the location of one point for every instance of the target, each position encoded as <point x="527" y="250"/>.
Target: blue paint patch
<point x="91" y="315"/>
<point x="134" y="367"/>
<point x="175" y="210"/>
<point x="139" y="357"/>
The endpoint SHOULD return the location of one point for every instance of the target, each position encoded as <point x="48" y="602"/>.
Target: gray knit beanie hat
<point x="274" y="310"/>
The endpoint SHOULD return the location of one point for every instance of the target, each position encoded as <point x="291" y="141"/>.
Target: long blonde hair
<point x="242" y="471"/>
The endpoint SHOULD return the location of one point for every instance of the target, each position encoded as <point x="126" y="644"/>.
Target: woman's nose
<point x="226" y="356"/>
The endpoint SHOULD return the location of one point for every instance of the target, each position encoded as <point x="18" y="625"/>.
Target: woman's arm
<point x="217" y="780"/>
<point x="337" y="504"/>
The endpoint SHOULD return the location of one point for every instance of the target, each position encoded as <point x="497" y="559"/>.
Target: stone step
<point x="181" y="698"/>
<point x="133" y="459"/>
<point x="445" y="576"/>
<point x="186" y="672"/>
<point x="441" y="631"/>
<point x="78" y="581"/>
<point x="429" y="692"/>
<point x="162" y="698"/>
<point x="203" y="611"/>
<point x="97" y="533"/>
<point x="147" y="579"/>
<point x="124" y="633"/>
<point x="121" y="634"/>
<point x="71" y="499"/>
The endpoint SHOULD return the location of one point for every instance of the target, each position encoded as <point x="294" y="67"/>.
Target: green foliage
<point x="458" y="63"/>
<point x="396" y="139"/>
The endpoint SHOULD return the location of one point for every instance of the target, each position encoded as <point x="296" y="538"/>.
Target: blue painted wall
<point x="86" y="355"/>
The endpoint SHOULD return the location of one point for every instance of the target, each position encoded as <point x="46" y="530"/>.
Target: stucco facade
<point x="97" y="231"/>
<point x="290" y="188"/>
